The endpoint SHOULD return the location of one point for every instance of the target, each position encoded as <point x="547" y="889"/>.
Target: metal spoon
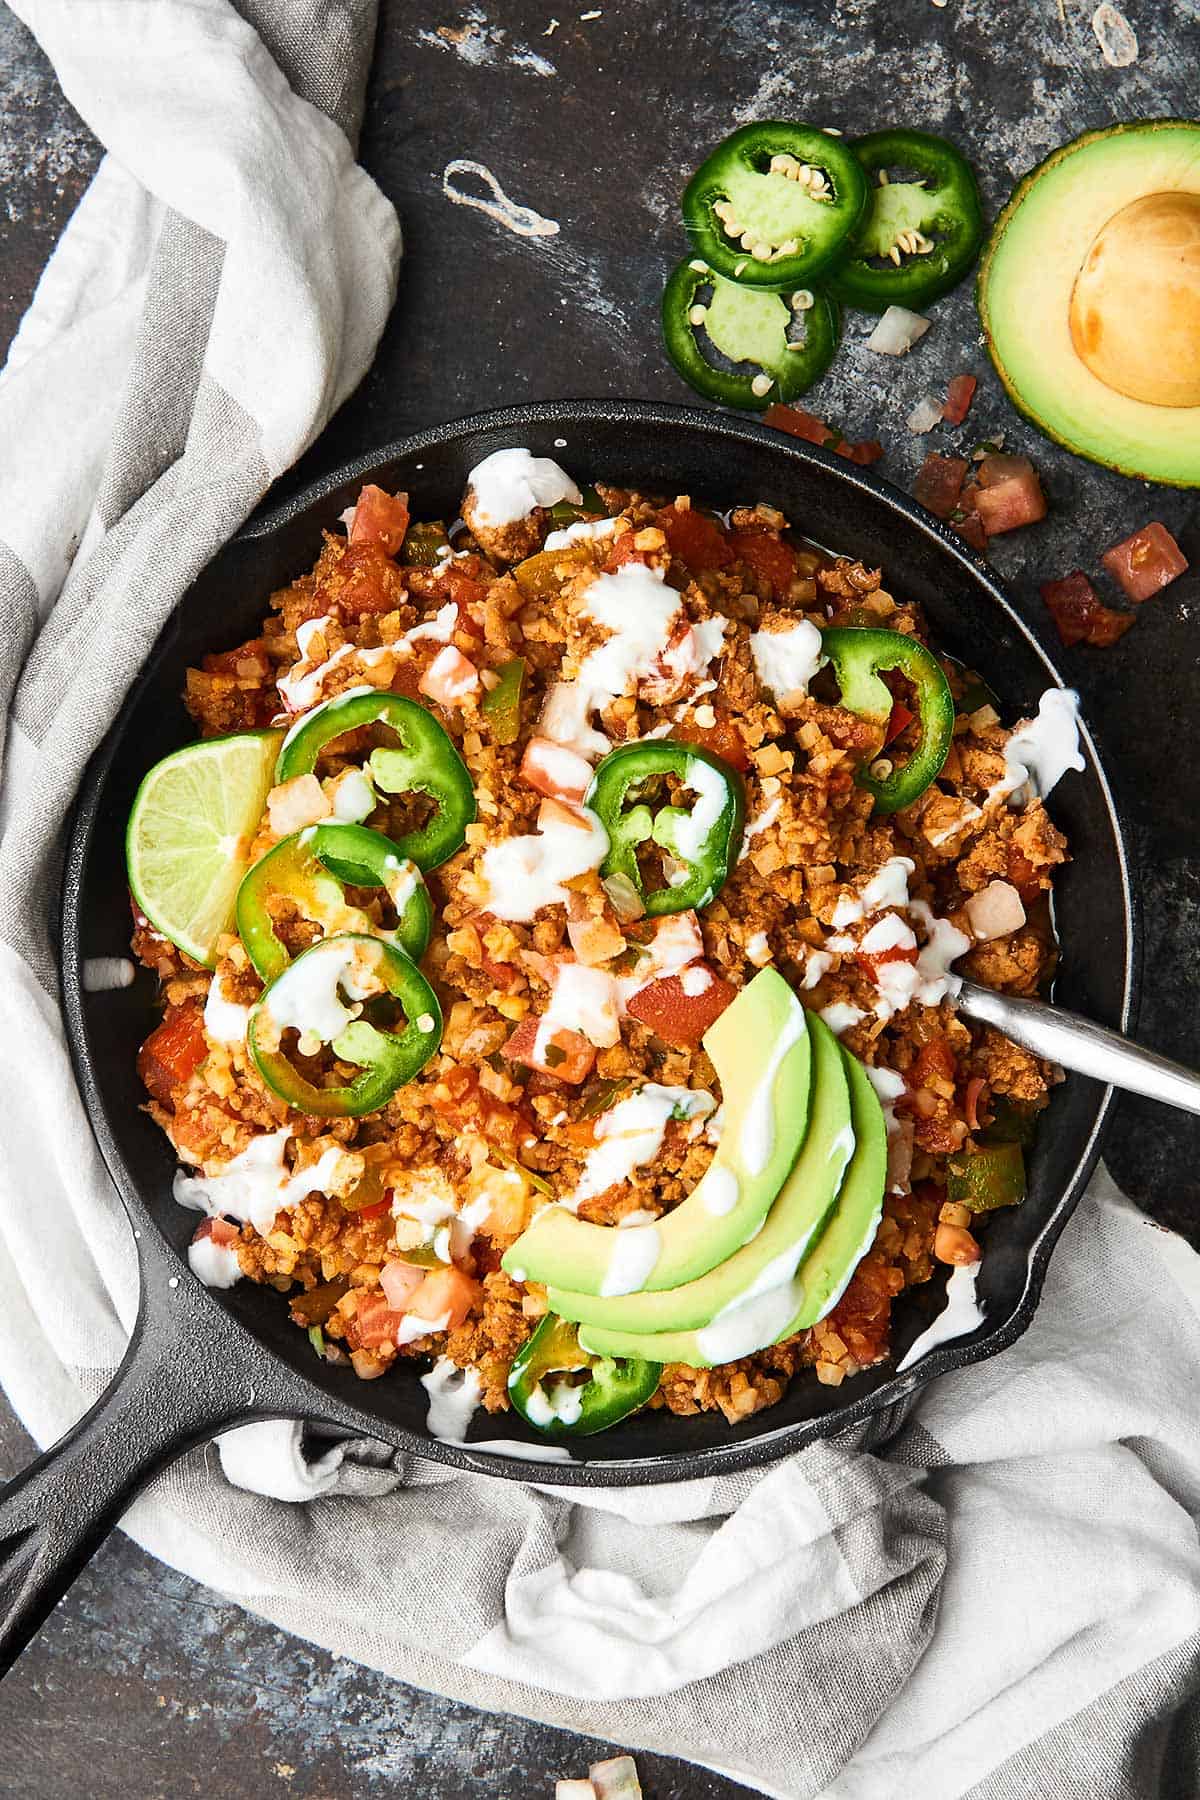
<point x="1063" y="1037"/>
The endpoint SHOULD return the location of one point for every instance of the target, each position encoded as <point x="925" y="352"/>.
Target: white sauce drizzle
<point x="962" y="1314"/>
<point x="522" y="1452"/>
<point x="583" y="531"/>
<point x="216" y="1265"/>
<point x="510" y="484"/>
<point x="841" y="1016"/>
<point x="583" y="1000"/>
<point x="253" y="1186"/>
<point x="523" y="221"/>
<point x="225" y="1020"/>
<point x="453" y="1397"/>
<point x="632" y="1257"/>
<point x="307" y="997"/>
<point x="524" y="874"/>
<point x="720" y="1191"/>
<point x="787" y="660"/>
<point x="630" y="1134"/>
<point x="103" y="974"/>
<point x="1041" y="750"/>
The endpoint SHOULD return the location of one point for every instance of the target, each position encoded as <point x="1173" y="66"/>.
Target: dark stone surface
<point x="596" y="124"/>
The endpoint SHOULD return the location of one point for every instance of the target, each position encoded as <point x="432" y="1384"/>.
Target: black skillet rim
<point x="893" y="1396"/>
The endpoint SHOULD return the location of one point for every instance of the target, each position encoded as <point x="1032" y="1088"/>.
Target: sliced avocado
<point x="773" y="1314"/>
<point x="760" y="1049"/>
<point x="851" y="1229"/>
<point x="1089" y="294"/>
<point x="800" y="1210"/>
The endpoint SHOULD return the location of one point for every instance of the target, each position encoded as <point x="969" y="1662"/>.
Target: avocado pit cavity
<point x="1135" y="305"/>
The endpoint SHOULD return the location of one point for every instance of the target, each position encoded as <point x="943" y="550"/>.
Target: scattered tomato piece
<point x="222" y="1233"/>
<point x="722" y="737"/>
<point x="935" y="1061"/>
<point x="1079" y="614"/>
<point x="449" y="677"/>
<point x="959" y="396"/>
<point x="767" y="558"/>
<point x="623" y="551"/>
<point x="695" y="539"/>
<point x="1145" y="562"/>
<point x="567" y="1057"/>
<point x="901" y="716"/>
<point x="400" y="1281"/>
<point x="173" y="1051"/>
<point x="248" y="662"/>
<point x="798" y="423"/>
<point x="679" y="1017"/>
<point x="555" y="771"/>
<point x="939" y="483"/>
<point x="445" y="1291"/>
<point x="380" y="518"/>
<point x="375" y="1323"/>
<point x="1009" y="494"/>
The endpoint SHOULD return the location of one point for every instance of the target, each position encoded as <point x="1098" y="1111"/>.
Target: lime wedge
<point x="187" y="844"/>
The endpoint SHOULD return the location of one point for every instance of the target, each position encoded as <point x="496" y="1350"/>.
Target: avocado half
<point x="1089" y="294"/>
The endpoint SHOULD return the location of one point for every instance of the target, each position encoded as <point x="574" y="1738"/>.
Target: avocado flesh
<point x="850" y="1232"/>
<point x="770" y="1317"/>
<point x="1038" y="247"/>
<point x="760" y="1048"/>
<point x="797" y="1215"/>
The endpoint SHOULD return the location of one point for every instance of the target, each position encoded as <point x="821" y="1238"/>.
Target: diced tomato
<point x="380" y="518"/>
<point x="249" y="662"/>
<point x="678" y="1017"/>
<point x="445" y="1291"/>
<point x="969" y="525"/>
<point x="378" y="1210"/>
<point x="939" y="483"/>
<point x="872" y="961"/>
<point x="375" y="1323"/>
<point x="1009" y="494"/>
<point x="1145" y="562"/>
<point x="173" y="1051"/>
<point x="449" y="678"/>
<point x="901" y="717"/>
<point x="568" y="1056"/>
<point x="400" y="1281"/>
<point x="767" y="558"/>
<point x="1079" y="614"/>
<point x="798" y="423"/>
<point x="935" y="1061"/>
<point x="462" y="1100"/>
<point x="222" y="1233"/>
<point x="552" y="769"/>
<point x="695" y="539"/>
<point x="363" y="580"/>
<point x="959" y="396"/>
<point x="723" y="738"/>
<point x="863" y="451"/>
<point x="622" y="551"/>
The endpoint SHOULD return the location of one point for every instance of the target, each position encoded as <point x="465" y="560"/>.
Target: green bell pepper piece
<point x="987" y="1178"/>
<point x="932" y="223"/>
<point x="312" y="869"/>
<point x="705" y="838"/>
<point x="591" y="506"/>
<point x="373" y="976"/>
<point x="424" y="545"/>
<point x="747" y="189"/>
<point x="615" y="1387"/>
<point x="750" y="327"/>
<point x="858" y="656"/>
<point x="425" y="763"/>
<point x="502" y="704"/>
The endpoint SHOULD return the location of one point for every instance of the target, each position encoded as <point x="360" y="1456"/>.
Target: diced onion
<point x="624" y="897"/>
<point x="616" y="1779"/>
<point x="574" y="1790"/>
<point x="925" y="415"/>
<point x="995" y="911"/>
<point x="897" y="332"/>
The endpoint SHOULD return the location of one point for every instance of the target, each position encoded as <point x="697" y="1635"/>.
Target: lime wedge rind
<point x="189" y="806"/>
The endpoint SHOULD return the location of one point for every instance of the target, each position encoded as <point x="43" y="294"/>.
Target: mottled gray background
<point x="143" y="1684"/>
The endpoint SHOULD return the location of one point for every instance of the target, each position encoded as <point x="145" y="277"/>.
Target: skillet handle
<point x="183" y="1379"/>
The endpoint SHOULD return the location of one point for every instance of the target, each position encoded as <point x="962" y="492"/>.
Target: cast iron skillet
<point x="201" y="1361"/>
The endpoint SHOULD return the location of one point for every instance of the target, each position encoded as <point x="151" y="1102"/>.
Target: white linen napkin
<point x="1008" y="1602"/>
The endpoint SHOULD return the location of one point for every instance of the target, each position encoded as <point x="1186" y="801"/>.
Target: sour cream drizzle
<point x="630" y="1134"/>
<point x="509" y="484"/>
<point x="962" y="1314"/>
<point x="1039" y="752"/>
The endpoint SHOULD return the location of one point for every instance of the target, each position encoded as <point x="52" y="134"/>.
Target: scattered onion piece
<point x="897" y="331"/>
<point x="925" y="415"/>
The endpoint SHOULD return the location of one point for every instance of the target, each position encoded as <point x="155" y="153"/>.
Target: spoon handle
<point x="1077" y="1044"/>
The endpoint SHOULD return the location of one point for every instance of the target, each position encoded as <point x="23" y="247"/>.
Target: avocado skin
<point x="1057" y="434"/>
<point x="562" y="1250"/>
<point x="797" y="1218"/>
<point x="826" y="1270"/>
